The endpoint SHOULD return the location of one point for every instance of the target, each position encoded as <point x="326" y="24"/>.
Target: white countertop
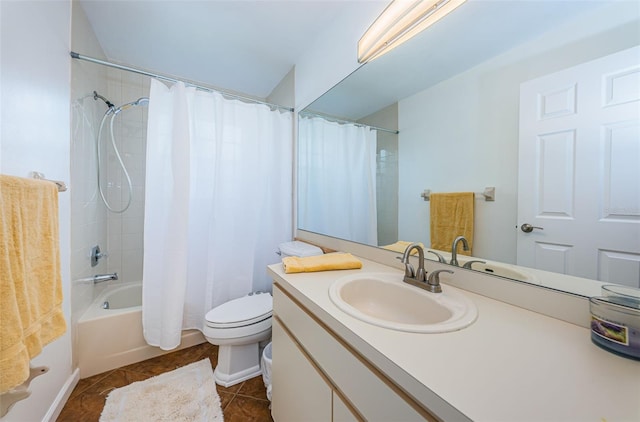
<point x="510" y="365"/>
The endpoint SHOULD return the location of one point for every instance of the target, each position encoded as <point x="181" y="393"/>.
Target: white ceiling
<point x="237" y="45"/>
<point x="249" y="46"/>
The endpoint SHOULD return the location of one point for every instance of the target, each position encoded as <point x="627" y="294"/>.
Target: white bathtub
<point x="111" y="338"/>
<point x="126" y="297"/>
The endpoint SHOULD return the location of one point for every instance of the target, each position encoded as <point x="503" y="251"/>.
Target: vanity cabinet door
<point x="299" y="391"/>
<point x="342" y="412"/>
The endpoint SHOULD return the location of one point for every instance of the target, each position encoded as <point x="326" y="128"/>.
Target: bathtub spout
<point x="99" y="278"/>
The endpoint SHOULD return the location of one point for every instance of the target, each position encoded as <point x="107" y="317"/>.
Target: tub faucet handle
<point x="96" y="255"/>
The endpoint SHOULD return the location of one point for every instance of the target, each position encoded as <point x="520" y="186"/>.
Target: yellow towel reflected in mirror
<point x="452" y="215"/>
<point x="401" y="246"/>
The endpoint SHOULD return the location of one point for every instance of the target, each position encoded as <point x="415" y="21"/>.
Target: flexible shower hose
<point x="113" y="114"/>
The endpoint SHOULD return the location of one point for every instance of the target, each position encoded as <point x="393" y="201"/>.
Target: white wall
<point x="465" y="129"/>
<point x="284" y="94"/>
<point x="35" y="81"/>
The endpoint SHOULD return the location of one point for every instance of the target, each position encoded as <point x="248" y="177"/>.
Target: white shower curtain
<point x="337" y="180"/>
<point x="217" y="204"/>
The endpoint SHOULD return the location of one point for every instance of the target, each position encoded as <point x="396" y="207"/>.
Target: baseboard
<point x="61" y="399"/>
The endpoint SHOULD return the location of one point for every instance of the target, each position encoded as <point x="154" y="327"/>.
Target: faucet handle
<point x="434" y="280"/>
<point x="440" y="257"/>
<point x="408" y="268"/>
<point x="468" y="264"/>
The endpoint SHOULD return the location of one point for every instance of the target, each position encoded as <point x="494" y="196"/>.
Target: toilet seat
<point x="241" y="312"/>
<point x="238" y="327"/>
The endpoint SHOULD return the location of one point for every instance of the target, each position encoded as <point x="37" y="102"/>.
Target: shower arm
<point x="107" y="102"/>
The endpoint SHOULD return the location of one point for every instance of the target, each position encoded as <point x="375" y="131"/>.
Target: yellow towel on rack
<point x="31" y="313"/>
<point x="326" y="262"/>
<point x="401" y="245"/>
<point x="451" y="216"/>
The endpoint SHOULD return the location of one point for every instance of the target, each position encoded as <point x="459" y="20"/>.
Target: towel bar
<point x="62" y="187"/>
<point x="489" y="194"/>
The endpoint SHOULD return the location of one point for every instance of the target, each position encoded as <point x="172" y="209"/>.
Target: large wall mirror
<point x="463" y="96"/>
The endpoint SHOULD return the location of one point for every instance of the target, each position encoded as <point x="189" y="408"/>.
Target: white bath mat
<point x="185" y="394"/>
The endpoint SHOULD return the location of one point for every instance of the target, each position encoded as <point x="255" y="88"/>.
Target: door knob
<point x="528" y="228"/>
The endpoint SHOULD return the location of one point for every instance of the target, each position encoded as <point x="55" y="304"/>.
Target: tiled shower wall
<point x="118" y="235"/>
<point x="91" y="224"/>
<point x="125" y="230"/>
<point x="88" y="216"/>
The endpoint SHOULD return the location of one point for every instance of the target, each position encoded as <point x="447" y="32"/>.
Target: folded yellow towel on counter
<point x="401" y="246"/>
<point x="326" y="262"/>
<point x="451" y="216"/>
<point x="31" y="313"/>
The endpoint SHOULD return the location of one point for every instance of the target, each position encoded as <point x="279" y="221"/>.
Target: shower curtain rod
<point x="336" y="120"/>
<point x="170" y="79"/>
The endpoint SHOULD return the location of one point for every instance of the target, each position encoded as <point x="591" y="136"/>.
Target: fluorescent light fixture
<point x="400" y="21"/>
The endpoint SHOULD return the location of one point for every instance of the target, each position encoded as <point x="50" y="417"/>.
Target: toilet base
<point x="237" y="364"/>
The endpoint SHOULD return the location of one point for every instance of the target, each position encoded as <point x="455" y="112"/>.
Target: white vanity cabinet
<point x="299" y="392"/>
<point x="303" y="392"/>
<point x="378" y="374"/>
<point x="341" y="411"/>
<point x="317" y="376"/>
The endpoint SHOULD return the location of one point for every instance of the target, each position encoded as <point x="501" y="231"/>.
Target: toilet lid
<point x="245" y="310"/>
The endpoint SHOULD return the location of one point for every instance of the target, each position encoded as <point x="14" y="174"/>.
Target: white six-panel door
<point x="579" y="170"/>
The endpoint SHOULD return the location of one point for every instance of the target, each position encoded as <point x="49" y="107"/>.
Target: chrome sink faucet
<point x="454" y="249"/>
<point x="410" y="275"/>
<point x="419" y="278"/>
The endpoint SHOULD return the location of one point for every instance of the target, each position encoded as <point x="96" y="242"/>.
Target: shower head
<point x="140" y="101"/>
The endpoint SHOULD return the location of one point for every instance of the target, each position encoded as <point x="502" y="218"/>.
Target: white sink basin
<point x="384" y="300"/>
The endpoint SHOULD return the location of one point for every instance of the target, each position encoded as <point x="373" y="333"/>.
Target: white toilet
<point x="238" y="327"/>
<point x="241" y="325"/>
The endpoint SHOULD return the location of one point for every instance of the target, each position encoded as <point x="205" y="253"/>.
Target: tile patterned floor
<point x="246" y="401"/>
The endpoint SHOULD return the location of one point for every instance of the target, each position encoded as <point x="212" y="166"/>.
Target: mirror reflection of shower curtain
<point x="337" y="180"/>
<point x="218" y="203"/>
